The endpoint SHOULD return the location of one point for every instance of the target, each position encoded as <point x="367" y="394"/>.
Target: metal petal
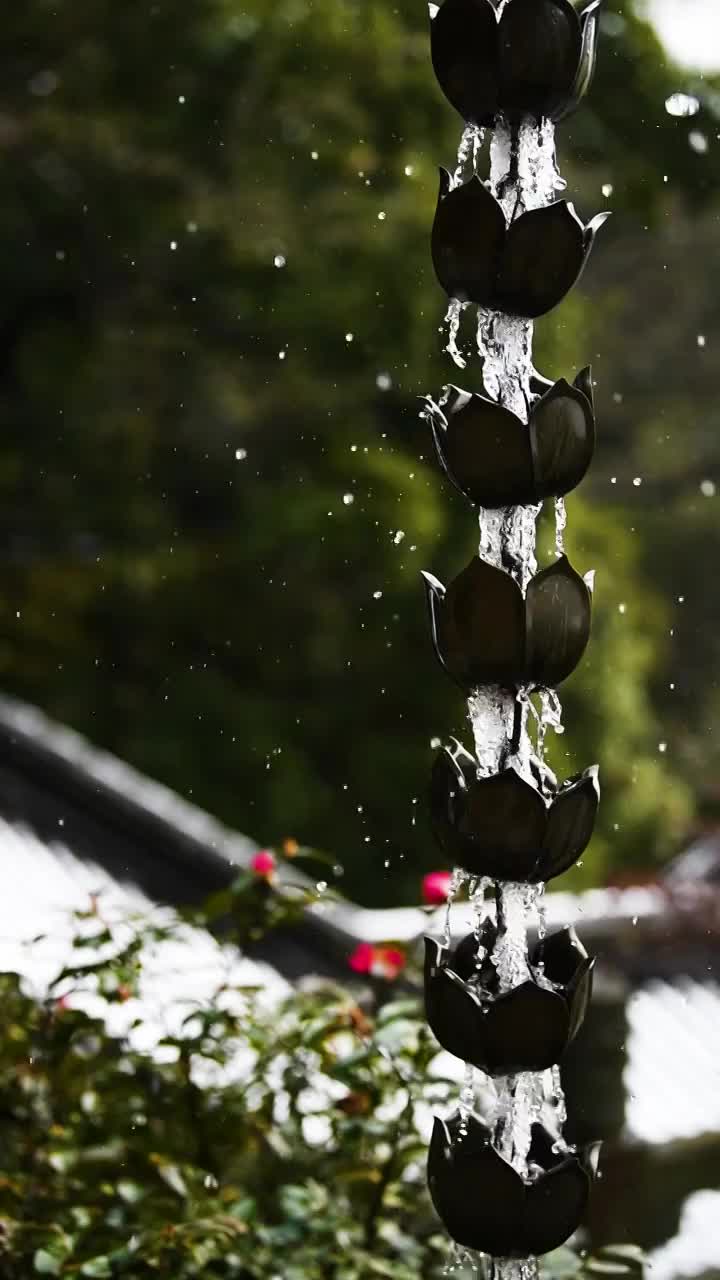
<point x="435" y="594"/>
<point x="464" y="957"/>
<point x="481" y="627"/>
<point x="590" y="28"/>
<point x="453" y="1012"/>
<point x="545" y="251"/>
<point x="554" y="1206"/>
<point x="558" y="609"/>
<point x="467" y="240"/>
<point x="570" y="822"/>
<point x="502" y="827"/>
<point x="561" y="954"/>
<point x="454" y="771"/>
<point x="486" y="452"/>
<point x="579" y="994"/>
<point x="526" y="1030"/>
<point x="562" y="438"/>
<point x="478" y="1196"/>
<point x="464" y="48"/>
<point x="540" y="49"/>
<point x="583" y="382"/>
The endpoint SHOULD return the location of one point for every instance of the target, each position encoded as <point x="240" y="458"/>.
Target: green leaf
<point x="99" y="1268"/>
<point x="46" y="1264"/>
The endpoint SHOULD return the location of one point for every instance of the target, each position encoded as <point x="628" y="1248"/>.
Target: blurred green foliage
<point x="263" y="1136"/>
<point x="215" y="492"/>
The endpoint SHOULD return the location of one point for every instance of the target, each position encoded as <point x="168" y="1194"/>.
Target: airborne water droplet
<point x="682" y="105"/>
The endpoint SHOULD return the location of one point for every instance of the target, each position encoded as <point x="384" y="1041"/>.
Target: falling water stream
<point x="523" y="176"/>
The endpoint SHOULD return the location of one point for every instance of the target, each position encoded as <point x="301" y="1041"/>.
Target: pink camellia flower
<point x="389" y="962"/>
<point x="263" y="864"/>
<point x="436" y="887"/>
<point x="379" y="962"/>
<point x="361" y="960"/>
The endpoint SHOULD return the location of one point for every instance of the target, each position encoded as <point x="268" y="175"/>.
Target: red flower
<point x="263" y="864"/>
<point x="361" y="960"/>
<point x="436" y="887"/>
<point x="380" y="962"/>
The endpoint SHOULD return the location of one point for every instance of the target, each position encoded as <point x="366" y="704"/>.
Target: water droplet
<point x="435" y="743"/>
<point x="321" y="886"/>
<point x="607" y="189"/>
<point x="279" y="260"/>
<point x="314" y="155"/>
<point x="377" y="595"/>
<point x="708" y="489"/>
<point x="382" y="215"/>
<point x="634" y="919"/>
<point x="240" y="455"/>
<point x="682" y="105"/>
<point x="43" y="84"/>
<point x="282" y="355"/>
<point x="398" y="537"/>
<point x="698" y="142"/>
<point x="637" y="481"/>
<point x="383" y="382"/>
<point x="701" y="339"/>
<point x="191" y="227"/>
<point x="181" y="99"/>
<point x="349" y="337"/>
<point x="338" y="869"/>
<point x="622" y="608"/>
<point x="662" y="748"/>
<point x="173" y="245"/>
<point x="348" y="499"/>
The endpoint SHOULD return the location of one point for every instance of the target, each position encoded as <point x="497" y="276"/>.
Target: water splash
<point x="457" y="880"/>
<point x="515" y="901"/>
<point x="538" y="177"/>
<point x="492" y="717"/>
<point x="504" y="345"/>
<point x="513" y="1269"/>
<point x="468" y="152"/>
<point x="460" y="1262"/>
<point x="549" y="717"/>
<point x="467" y="1098"/>
<point x="560" y="526"/>
<point x="453" y="316"/>
<point x="558" y="1095"/>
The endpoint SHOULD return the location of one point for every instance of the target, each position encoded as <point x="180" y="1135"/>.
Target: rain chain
<point x="508" y="1185"/>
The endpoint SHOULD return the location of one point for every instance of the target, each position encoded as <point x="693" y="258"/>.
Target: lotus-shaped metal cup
<point x="486" y="632"/>
<point x="497" y="460"/>
<point x="525" y="268"/>
<point x="486" y="1205"/>
<point x="537" y="61"/>
<point x="502" y="826"/>
<point x="526" y="1029"/>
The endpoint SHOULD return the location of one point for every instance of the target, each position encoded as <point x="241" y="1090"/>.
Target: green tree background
<point x="207" y="459"/>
